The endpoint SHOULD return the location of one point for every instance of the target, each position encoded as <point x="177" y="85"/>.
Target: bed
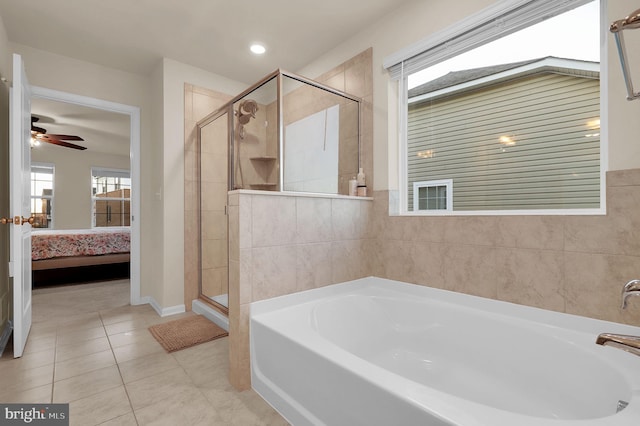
<point x="84" y="254"/>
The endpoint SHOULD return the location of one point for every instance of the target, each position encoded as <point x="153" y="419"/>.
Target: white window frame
<point x="402" y="63"/>
<point x="53" y="184"/>
<point x="109" y="172"/>
<point x="448" y="183"/>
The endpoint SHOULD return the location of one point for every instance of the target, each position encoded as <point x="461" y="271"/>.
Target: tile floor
<point x="90" y="348"/>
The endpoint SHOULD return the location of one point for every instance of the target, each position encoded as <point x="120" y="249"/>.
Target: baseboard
<point x="163" y="312"/>
<point x="4" y="337"/>
<point x="211" y="314"/>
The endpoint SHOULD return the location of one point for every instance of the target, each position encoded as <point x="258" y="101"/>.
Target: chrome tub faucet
<point x="622" y="341"/>
<point x="630" y="344"/>
<point x="632" y="288"/>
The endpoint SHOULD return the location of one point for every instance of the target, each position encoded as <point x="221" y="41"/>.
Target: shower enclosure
<point x="284" y="133"/>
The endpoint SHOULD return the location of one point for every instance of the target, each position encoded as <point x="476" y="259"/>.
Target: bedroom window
<point x="506" y="103"/>
<point x="42" y="194"/>
<point x="111" y="197"/>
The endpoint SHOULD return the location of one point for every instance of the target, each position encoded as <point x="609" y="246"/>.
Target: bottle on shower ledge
<point x="361" y="190"/>
<point x="360" y="178"/>
<point x="353" y="187"/>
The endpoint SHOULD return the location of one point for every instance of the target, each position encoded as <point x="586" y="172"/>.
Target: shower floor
<point x="222" y="299"/>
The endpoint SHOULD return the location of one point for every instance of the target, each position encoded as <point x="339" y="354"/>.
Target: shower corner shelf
<point x="264" y="158"/>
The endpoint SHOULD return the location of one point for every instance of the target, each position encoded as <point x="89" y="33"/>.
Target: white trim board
<point x="163" y="312"/>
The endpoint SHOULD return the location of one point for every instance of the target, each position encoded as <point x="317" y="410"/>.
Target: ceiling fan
<point x="38" y="134"/>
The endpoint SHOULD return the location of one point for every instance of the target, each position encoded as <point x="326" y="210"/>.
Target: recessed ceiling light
<point x="258" y="49"/>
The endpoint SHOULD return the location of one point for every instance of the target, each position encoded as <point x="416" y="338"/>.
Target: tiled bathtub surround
<point x="281" y="244"/>
<point x="573" y="264"/>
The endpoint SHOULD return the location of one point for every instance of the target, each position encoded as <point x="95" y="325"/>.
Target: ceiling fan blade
<point x="54" y="141"/>
<point x="38" y="129"/>
<point x="64" y="137"/>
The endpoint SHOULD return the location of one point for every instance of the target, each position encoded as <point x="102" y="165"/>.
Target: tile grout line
<point x="126" y="391"/>
<point x="55" y="356"/>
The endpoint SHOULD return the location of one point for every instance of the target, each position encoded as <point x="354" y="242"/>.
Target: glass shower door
<point x="214" y="184"/>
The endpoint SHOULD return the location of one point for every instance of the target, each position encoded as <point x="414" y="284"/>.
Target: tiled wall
<point x="573" y="264"/>
<point x="355" y="77"/>
<point x="281" y="244"/>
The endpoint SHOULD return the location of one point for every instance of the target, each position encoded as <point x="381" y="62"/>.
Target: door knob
<point x="18" y="220"/>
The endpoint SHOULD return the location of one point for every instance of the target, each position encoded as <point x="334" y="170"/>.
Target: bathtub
<point x="381" y="352"/>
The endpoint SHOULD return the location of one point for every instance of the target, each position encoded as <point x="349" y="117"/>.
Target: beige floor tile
<point x="127" y="420"/>
<point x="83" y="364"/>
<point x="243" y="408"/>
<point x="147" y="366"/>
<point x="99" y="408"/>
<point x="187" y="408"/>
<point x="45" y="329"/>
<point x="28" y="360"/>
<point x="141" y="335"/>
<point x="77" y="336"/>
<point x="137" y="350"/>
<point x="87" y="347"/>
<point x="39" y="344"/>
<point x="97" y="341"/>
<point x="80" y="322"/>
<point x="126" y="313"/>
<point x="124" y="326"/>
<point x="37" y="395"/>
<point x="23" y="379"/>
<point x="86" y="384"/>
<point x="150" y="390"/>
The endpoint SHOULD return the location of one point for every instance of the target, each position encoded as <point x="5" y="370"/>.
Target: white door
<point x="20" y="199"/>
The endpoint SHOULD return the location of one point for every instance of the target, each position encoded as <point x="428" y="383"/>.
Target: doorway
<point x="43" y="97"/>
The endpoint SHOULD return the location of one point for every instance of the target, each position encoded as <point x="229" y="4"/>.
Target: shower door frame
<point x="227" y="108"/>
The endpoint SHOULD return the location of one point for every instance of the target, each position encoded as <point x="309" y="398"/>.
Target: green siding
<point x="554" y="163"/>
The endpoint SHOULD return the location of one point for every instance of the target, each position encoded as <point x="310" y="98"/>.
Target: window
<point x="111" y="196"/>
<point x="42" y="195"/>
<point x="432" y="195"/>
<point x="513" y="115"/>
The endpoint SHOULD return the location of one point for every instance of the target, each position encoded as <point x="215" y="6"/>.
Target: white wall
<point x="418" y="19"/>
<point x="87" y="79"/>
<point x="175" y="75"/>
<point x="72" y="207"/>
<point x="160" y="97"/>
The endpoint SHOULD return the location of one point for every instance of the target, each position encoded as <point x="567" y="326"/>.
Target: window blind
<point x="498" y="20"/>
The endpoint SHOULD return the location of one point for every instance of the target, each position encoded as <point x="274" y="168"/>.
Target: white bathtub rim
<point x="513" y="310"/>
<point x="441" y="404"/>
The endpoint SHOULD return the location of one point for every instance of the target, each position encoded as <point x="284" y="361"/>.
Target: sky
<point x="574" y="34"/>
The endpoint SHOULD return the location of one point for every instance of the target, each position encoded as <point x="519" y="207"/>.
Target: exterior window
<point x="42" y="195"/>
<point x="111" y="196"/>
<point x="515" y="121"/>
<point x="433" y="195"/>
